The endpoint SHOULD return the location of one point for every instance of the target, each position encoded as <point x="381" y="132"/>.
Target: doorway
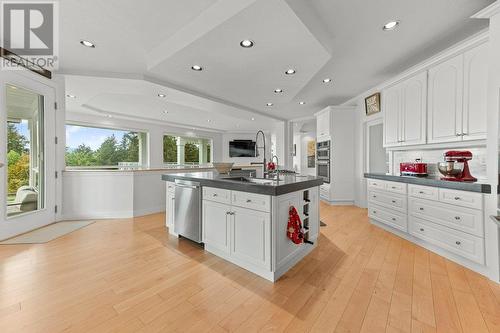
<point x="377" y="159"/>
<point x="27" y="152"/>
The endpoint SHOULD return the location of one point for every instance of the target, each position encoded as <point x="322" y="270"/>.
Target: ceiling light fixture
<point x="327" y="80"/>
<point x="291" y="71"/>
<point x="253" y="118"/>
<point x="302" y="103"/>
<point x="269" y="104"/>
<point x="109" y="116"/>
<point x="196" y="68"/>
<point x="87" y="43"/>
<point x="390" y="25"/>
<point x="162" y="95"/>
<point x="278" y="91"/>
<point x="209" y="120"/>
<point x="247" y="43"/>
<point x="70" y="96"/>
<point x="165" y="112"/>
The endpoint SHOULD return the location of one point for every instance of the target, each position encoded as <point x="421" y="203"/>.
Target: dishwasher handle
<point x="194" y="187"/>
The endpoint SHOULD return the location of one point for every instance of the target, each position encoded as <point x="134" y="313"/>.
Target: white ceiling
<point x="159" y="40"/>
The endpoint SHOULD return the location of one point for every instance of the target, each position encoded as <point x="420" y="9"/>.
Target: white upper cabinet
<point x="445" y="101"/>
<point x="414" y="110"/>
<point x="392" y="111"/>
<point x="475" y="93"/>
<point x="323" y="124"/>
<point x="405" y="106"/>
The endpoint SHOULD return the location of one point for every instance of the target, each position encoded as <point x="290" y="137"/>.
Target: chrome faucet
<point x="276" y="170"/>
<point x="264" y="167"/>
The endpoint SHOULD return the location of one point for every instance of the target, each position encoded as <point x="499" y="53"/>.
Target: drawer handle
<point x="393" y="201"/>
<point x="422" y="229"/>
<point x="421" y="192"/>
<point x="458" y="242"/>
<point x="374" y="212"/>
<point x="421" y="208"/>
<point x="374" y="196"/>
<point x="248" y="200"/>
<point x="394" y="219"/>
<point x="393" y="187"/>
<point x="457" y="217"/>
<point x="457" y="198"/>
<point x="215" y="194"/>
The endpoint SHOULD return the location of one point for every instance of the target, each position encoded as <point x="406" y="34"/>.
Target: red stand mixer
<point x="455" y="167"/>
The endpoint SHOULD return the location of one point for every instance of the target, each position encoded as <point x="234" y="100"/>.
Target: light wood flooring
<point x="130" y="276"/>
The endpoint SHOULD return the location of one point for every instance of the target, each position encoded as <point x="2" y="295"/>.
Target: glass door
<point x="27" y="152"/>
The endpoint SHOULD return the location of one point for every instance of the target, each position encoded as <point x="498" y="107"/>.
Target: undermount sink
<point x="249" y="180"/>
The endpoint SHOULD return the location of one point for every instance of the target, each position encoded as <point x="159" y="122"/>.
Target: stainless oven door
<point x="323" y="170"/>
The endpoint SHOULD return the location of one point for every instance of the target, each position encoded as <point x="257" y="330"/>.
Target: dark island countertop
<point x="285" y="184"/>
<point x="434" y="182"/>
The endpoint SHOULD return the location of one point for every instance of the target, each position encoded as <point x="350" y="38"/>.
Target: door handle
<point x="187" y="186"/>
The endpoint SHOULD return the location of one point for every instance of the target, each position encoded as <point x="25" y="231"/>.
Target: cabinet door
<point x="251" y="237"/>
<point x="475" y="93"/>
<point x="170" y="211"/>
<point x="445" y="101"/>
<point x="392" y="119"/>
<point x="414" y="110"/>
<point x="323" y="124"/>
<point x="216" y="225"/>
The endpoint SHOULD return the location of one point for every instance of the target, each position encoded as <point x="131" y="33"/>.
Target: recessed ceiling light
<point x="253" y="118"/>
<point x="327" y="80"/>
<point x="87" y="43"/>
<point x="70" y="96"/>
<point x="269" y="104"/>
<point x="196" y="68"/>
<point x="208" y="120"/>
<point x="302" y="103"/>
<point x="110" y="116"/>
<point x="390" y="25"/>
<point x="246" y="43"/>
<point x="278" y="91"/>
<point x="291" y="71"/>
<point x="162" y="95"/>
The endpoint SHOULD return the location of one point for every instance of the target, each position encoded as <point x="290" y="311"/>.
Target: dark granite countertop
<point x="285" y="184"/>
<point x="434" y="182"/>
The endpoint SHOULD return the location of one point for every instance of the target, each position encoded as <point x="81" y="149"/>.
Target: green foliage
<point x="110" y="153"/>
<point x="12" y="157"/>
<point x="192" y="154"/>
<point x="169" y="149"/>
<point x="18" y="173"/>
<point x="16" y="141"/>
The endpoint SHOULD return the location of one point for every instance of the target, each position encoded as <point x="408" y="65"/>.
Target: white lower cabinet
<point x="216" y="228"/>
<point x="444" y="218"/>
<point x="251" y="236"/>
<point x="170" y="206"/>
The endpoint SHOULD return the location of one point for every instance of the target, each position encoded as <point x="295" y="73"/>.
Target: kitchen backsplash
<point x="477" y="165"/>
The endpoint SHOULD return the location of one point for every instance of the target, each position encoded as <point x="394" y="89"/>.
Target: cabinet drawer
<point x="396" y="187"/>
<point x="391" y="218"/>
<point x="465" y="245"/>
<point x="251" y="201"/>
<point x="461" y="198"/>
<point x="459" y="218"/>
<point x="388" y="200"/>
<point x="217" y="195"/>
<point x="376" y="184"/>
<point x="424" y="192"/>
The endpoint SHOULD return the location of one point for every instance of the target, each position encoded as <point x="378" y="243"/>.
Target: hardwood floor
<point x="130" y="276"/>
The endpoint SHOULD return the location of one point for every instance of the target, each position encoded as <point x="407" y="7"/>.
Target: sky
<point x="92" y="137"/>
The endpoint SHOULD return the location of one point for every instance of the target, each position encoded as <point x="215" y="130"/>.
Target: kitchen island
<point x="244" y="219"/>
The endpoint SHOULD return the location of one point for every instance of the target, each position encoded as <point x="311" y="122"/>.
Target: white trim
<point x="488" y="12"/>
<point x="444" y="145"/>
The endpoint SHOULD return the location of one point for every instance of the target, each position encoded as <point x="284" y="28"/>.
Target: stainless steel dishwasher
<point x="188" y="209"/>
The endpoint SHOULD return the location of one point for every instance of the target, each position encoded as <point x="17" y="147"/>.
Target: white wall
<point x="156" y="132"/>
<point x="227" y="137"/>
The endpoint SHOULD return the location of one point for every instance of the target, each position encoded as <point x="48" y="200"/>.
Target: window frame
<point x="186" y="136"/>
<point x="144" y="156"/>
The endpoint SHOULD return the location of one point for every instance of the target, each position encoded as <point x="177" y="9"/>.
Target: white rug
<point x="48" y="233"/>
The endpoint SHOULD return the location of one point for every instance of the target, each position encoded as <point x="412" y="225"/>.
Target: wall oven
<point x="323" y="150"/>
<point x="323" y="170"/>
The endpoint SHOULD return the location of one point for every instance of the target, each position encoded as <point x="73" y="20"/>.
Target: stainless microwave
<point x="323" y="150"/>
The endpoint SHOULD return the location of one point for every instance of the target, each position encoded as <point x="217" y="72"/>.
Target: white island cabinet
<point x="249" y="229"/>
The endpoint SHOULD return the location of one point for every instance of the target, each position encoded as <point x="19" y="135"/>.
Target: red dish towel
<point x="294" y="229"/>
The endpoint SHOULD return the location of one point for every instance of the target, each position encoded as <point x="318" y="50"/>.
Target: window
<point x="180" y="150"/>
<point x="103" y="147"/>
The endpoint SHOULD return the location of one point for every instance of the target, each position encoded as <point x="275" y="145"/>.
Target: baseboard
<point x="338" y="202"/>
<point x="149" y="211"/>
<point x="98" y="215"/>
